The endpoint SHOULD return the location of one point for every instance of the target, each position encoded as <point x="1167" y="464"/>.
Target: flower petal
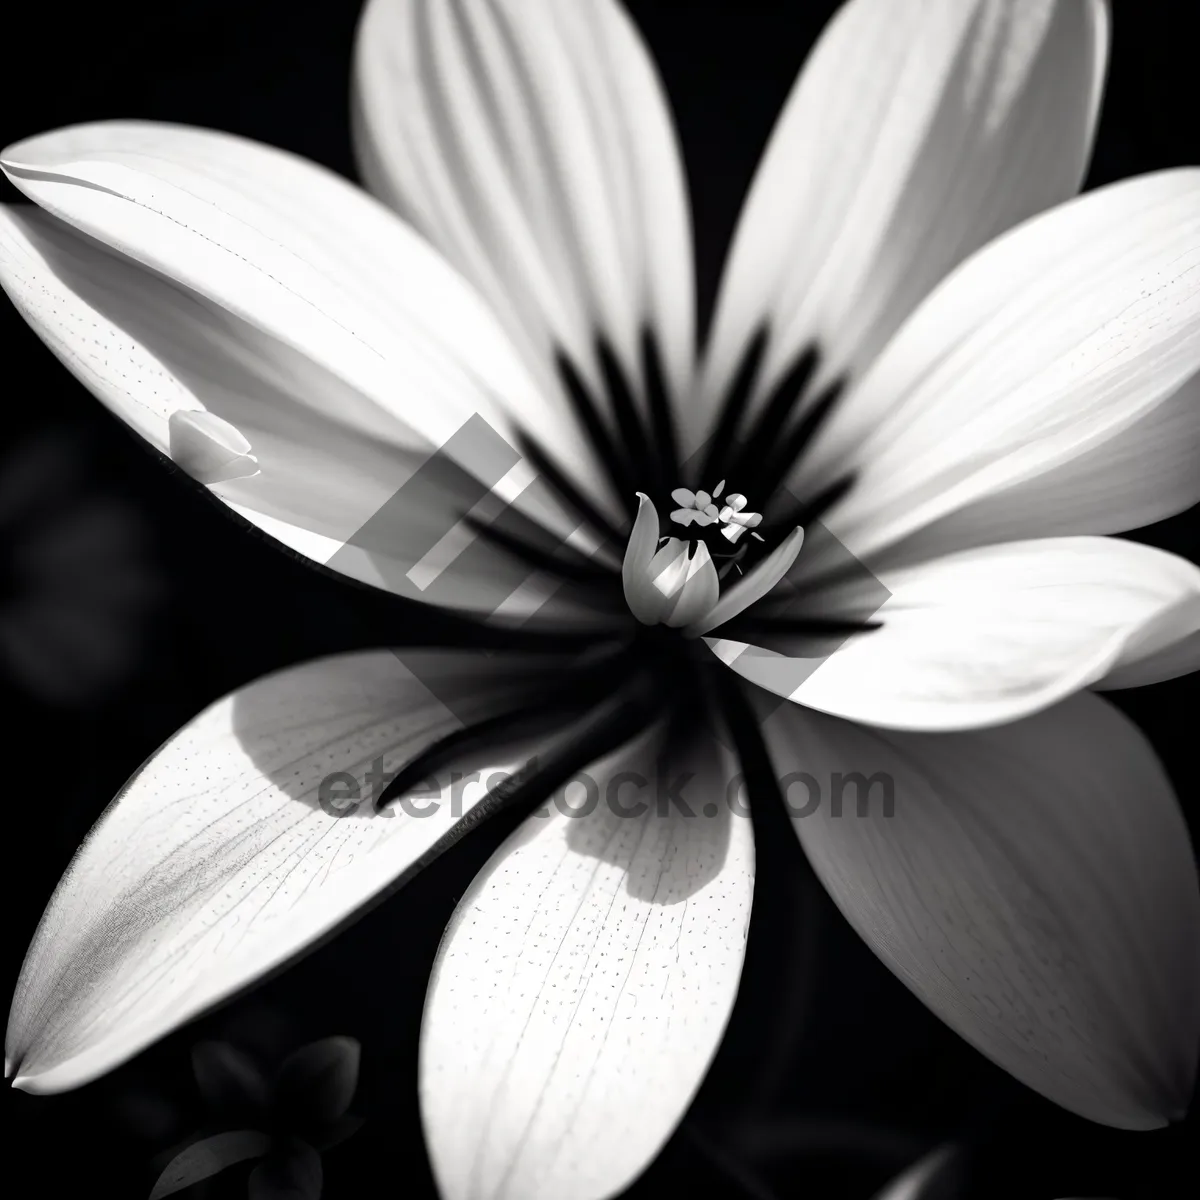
<point x="296" y="251"/>
<point x="1033" y="884"/>
<point x="339" y="477"/>
<point x="916" y="132"/>
<point x="208" y="448"/>
<point x="754" y="585"/>
<point x="684" y="576"/>
<point x="644" y="601"/>
<point x="232" y="849"/>
<point x="989" y="635"/>
<point x="584" y="982"/>
<point x="316" y="1083"/>
<point x="1042" y="347"/>
<point x="532" y="144"/>
<point x="1141" y="474"/>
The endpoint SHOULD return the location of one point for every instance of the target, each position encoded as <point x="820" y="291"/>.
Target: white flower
<point x="964" y="374"/>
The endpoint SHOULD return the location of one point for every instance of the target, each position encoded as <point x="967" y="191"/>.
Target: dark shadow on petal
<point x="657" y="811"/>
<point x="370" y="728"/>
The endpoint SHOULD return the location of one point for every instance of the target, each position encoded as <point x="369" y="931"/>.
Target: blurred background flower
<point x="76" y="581"/>
<point x="281" y="1121"/>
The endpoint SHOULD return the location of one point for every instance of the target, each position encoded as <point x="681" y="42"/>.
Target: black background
<point x="832" y="1076"/>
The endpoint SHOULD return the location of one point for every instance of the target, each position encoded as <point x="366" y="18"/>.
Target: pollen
<point x="700" y="508"/>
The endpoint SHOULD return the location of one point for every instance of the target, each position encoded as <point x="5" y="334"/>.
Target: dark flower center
<point x="633" y="675"/>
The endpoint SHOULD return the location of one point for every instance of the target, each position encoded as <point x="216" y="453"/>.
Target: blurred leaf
<point x="229" y="1081"/>
<point x="337" y="1132"/>
<point x="315" y="1085"/>
<point x="206" y="1158"/>
<point x="290" y="1172"/>
<point x="936" y="1176"/>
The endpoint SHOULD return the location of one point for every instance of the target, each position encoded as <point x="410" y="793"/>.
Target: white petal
<point x="334" y="476"/>
<point x="1141" y="474"/>
<point x="644" y="601"/>
<point x="988" y="635"/>
<point x="1033" y="885"/>
<point x="223" y="858"/>
<point x="688" y="585"/>
<point x="530" y="141"/>
<point x="303" y="256"/>
<point x="916" y="132"/>
<point x="208" y="448"/>
<point x="1045" y="345"/>
<point x="584" y="983"/>
<point x="1167" y="649"/>
<point x="755" y="584"/>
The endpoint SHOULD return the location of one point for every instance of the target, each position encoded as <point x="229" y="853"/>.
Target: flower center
<point x="675" y="581"/>
<point x="719" y="526"/>
<point x="701" y="509"/>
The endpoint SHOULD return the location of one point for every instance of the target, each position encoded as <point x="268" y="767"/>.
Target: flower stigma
<point x="699" y="508"/>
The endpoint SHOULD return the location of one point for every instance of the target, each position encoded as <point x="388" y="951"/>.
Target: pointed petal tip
<point x="641" y="548"/>
<point x="22" y="1075"/>
<point x="1065" y="776"/>
<point x="10" y="157"/>
<point x="21" y="1080"/>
